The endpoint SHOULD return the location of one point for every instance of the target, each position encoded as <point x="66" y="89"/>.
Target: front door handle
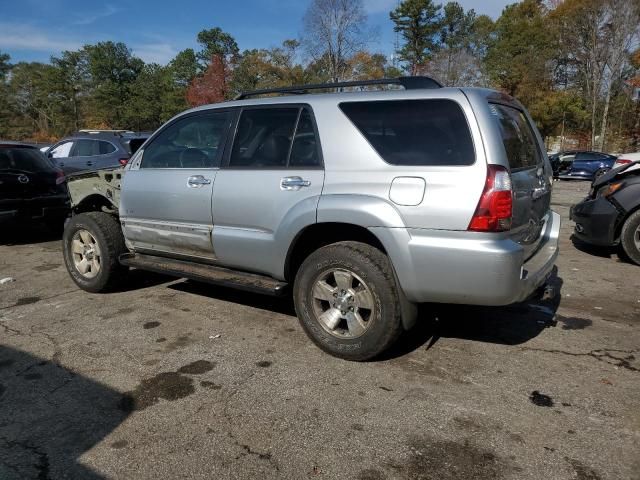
<point x="293" y="183"/>
<point x="198" y="181"/>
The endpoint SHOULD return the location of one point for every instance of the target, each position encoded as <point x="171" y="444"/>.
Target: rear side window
<point x="105" y="148"/>
<point x="414" y="132"/>
<point x="24" y="159"/>
<point x="519" y="141"/>
<point x="263" y="137"/>
<point x="85" y="148"/>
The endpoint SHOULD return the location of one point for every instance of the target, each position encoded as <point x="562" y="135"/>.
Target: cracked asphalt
<point x="172" y="379"/>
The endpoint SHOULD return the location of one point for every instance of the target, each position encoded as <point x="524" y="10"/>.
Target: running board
<point x="225" y="277"/>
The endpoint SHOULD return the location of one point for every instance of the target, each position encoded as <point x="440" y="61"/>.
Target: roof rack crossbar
<point x="409" y="83"/>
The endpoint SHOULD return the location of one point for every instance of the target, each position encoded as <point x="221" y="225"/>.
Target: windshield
<point x="23" y="159"/>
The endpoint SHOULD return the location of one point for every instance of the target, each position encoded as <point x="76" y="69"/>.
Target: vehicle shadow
<point x="50" y="416"/>
<point x="28" y="233"/>
<point x="283" y="305"/>
<point x="596" y="251"/>
<point x="511" y="325"/>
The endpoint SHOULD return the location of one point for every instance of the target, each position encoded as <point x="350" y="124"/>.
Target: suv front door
<point x="268" y="188"/>
<point x="165" y="205"/>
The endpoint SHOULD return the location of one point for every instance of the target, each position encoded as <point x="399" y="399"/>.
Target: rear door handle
<point x="293" y="183"/>
<point x="197" y="181"/>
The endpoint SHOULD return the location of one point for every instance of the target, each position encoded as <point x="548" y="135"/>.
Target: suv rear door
<point x="531" y="186"/>
<point x="272" y="175"/>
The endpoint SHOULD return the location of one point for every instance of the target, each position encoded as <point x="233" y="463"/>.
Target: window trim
<point x="225" y="164"/>
<point x="75" y="145"/>
<point x="200" y="113"/>
<point x="396" y="165"/>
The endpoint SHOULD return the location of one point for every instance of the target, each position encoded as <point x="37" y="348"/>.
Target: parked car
<point x="626" y="158"/>
<point x="584" y="165"/>
<point x="610" y="215"/>
<point x="95" y="149"/>
<point x="364" y="203"/>
<point x="30" y="187"/>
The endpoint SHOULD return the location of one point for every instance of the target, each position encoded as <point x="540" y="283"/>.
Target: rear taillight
<point x="123" y="161"/>
<point x="622" y="161"/>
<point x="495" y="207"/>
<point x="60" y="178"/>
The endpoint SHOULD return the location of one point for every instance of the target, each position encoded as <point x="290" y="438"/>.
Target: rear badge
<point x="23" y="179"/>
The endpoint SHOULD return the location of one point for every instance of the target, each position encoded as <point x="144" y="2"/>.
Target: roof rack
<point x="409" y="83"/>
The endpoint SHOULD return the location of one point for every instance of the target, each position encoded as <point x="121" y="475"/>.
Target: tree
<point x="418" y="22"/>
<point x="216" y="43"/>
<point x="72" y="77"/>
<point x="5" y="108"/>
<point x="334" y="31"/>
<point x="113" y="69"/>
<point x="184" y="67"/>
<point x="455" y="44"/>
<point x="212" y="85"/>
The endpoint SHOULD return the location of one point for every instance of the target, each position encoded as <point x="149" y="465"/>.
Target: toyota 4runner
<point x="366" y="203"/>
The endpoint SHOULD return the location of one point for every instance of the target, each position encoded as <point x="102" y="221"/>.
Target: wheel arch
<point x="321" y="234"/>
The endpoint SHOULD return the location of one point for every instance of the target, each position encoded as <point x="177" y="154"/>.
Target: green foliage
<point x="216" y="42"/>
<point x="418" y="22"/>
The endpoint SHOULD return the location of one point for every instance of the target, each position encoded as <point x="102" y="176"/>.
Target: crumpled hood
<point x="629" y="168"/>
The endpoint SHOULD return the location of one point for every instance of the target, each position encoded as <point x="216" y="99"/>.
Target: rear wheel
<point x="92" y="244"/>
<point x="347" y="301"/>
<point x="630" y="237"/>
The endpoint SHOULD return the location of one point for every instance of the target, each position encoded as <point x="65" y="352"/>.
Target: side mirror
<point x="49" y="155"/>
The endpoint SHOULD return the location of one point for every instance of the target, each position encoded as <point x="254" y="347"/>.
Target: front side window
<point x="414" y="132"/>
<point x="263" y="137"/>
<point x="193" y="142"/>
<point x="61" y="151"/>
<point x="517" y="136"/>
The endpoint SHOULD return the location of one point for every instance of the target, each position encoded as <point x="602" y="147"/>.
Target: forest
<point x="575" y="64"/>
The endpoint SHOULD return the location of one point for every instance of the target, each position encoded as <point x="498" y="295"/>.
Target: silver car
<point x="364" y="204"/>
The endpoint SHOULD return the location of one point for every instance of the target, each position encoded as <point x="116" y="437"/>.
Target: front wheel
<point x="92" y="243"/>
<point x="600" y="172"/>
<point x="630" y="237"/>
<point x="347" y="300"/>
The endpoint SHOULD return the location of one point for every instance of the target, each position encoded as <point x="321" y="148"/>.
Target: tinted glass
<point x="304" y="152"/>
<point x="86" y="148"/>
<point x="414" y="132"/>
<point x="61" y="151"/>
<point x="24" y="159"/>
<point x="263" y="137"/>
<point x="590" y="156"/>
<point x="193" y="142"/>
<point x="104" y="148"/>
<point x="518" y="138"/>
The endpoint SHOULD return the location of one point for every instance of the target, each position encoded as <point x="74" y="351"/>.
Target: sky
<point x="34" y="30"/>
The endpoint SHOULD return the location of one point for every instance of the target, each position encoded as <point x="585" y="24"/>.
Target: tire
<point x="368" y="318"/>
<point x="102" y="248"/>
<point x="630" y="237"/>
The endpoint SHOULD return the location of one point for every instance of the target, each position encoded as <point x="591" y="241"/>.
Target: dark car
<point x="30" y="187"/>
<point x="95" y="149"/>
<point x="582" y="165"/>
<point x="610" y="215"/>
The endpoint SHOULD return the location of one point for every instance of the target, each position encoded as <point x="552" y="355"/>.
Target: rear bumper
<point x="467" y="267"/>
<point x="596" y="221"/>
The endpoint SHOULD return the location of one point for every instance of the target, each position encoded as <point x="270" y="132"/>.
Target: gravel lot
<point x="172" y="379"/>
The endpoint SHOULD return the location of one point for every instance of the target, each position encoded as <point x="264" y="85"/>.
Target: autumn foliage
<point x="211" y="86"/>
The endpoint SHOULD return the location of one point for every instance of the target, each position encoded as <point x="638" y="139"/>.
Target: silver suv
<point x="365" y="203"/>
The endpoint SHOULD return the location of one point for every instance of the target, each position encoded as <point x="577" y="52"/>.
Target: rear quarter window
<point x="414" y="132"/>
<point x="518" y="138"/>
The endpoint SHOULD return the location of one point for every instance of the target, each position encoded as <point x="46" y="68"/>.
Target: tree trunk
<point x="605" y="115"/>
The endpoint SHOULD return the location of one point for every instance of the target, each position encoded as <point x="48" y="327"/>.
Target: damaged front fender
<point x="96" y="189"/>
